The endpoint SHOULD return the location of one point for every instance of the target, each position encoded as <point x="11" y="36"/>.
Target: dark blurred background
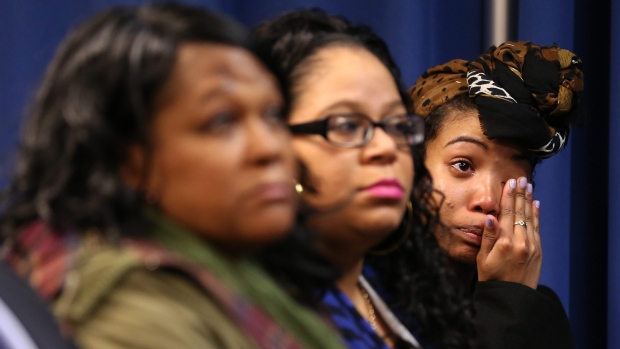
<point x="579" y="189"/>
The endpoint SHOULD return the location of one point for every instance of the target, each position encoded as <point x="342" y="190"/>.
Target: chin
<point x="270" y="232"/>
<point x="464" y="255"/>
<point x="382" y="218"/>
<point x="268" y="227"/>
<point x="244" y="241"/>
<point x="378" y="230"/>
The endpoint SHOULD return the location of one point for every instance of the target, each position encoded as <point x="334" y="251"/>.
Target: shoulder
<point x="512" y="315"/>
<point x="118" y="296"/>
<point x="549" y="293"/>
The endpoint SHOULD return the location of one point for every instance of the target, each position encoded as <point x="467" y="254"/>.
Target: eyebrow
<point x="353" y="104"/>
<point x="466" y="140"/>
<point x="515" y="157"/>
<point x="212" y="94"/>
<point x="222" y="85"/>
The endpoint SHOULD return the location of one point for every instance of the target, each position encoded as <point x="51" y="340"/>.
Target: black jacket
<point x="511" y="315"/>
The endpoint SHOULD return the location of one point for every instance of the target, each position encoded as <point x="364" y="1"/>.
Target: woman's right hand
<point x="510" y="251"/>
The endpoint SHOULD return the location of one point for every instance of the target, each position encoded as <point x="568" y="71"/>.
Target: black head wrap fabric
<point x="524" y="92"/>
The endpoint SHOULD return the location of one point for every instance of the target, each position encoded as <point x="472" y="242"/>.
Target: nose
<point x="486" y="196"/>
<point x="381" y="149"/>
<point x="266" y="142"/>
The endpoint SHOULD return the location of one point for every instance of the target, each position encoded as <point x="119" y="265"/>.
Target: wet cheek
<point x="449" y="206"/>
<point x="454" y="192"/>
<point x="447" y="210"/>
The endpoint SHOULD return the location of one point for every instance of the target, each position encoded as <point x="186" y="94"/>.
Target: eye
<point x="345" y="124"/>
<point x="399" y="126"/>
<point x="273" y="115"/>
<point x="219" y="122"/>
<point x="462" y="166"/>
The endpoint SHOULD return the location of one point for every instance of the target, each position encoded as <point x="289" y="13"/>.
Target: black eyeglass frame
<point x="321" y="127"/>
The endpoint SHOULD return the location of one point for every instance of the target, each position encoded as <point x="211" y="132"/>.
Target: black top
<point x="511" y="315"/>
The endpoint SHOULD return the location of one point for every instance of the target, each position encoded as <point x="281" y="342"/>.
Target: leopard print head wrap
<point x="524" y="92"/>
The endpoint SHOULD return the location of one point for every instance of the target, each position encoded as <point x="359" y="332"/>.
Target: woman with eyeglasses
<point x="366" y="191"/>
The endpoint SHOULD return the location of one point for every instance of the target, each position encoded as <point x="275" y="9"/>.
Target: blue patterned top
<point x="355" y="330"/>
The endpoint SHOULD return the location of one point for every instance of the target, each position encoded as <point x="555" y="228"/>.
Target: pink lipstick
<point x="386" y="189"/>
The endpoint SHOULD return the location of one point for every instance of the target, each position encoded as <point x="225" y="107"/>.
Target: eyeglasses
<point x="355" y="130"/>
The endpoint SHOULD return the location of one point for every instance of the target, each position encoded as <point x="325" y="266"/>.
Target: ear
<point x="133" y="169"/>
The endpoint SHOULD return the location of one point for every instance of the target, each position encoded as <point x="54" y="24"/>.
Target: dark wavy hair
<point x="98" y="95"/>
<point x="420" y="286"/>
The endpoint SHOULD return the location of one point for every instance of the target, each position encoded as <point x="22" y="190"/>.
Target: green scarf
<point x="244" y="276"/>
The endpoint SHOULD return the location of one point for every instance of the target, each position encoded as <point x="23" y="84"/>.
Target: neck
<point x="344" y="256"/>
<point x="347" y="283"/>
<point x="349" y="259"/>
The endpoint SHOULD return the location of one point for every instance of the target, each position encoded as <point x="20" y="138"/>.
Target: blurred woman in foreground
<point x="153" y="164"/>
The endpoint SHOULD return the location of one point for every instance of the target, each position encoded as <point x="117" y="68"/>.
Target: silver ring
<point x="521" y="223"/>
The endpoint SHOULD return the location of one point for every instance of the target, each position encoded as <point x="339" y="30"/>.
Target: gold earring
<point x="404" y="236"/>
<point x="299" y="188"/>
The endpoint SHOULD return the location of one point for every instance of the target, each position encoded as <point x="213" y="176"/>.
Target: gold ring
<point x="521" y="223"/>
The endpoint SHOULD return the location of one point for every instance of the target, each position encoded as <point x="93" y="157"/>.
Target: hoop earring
<point x="404" y="236"/>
